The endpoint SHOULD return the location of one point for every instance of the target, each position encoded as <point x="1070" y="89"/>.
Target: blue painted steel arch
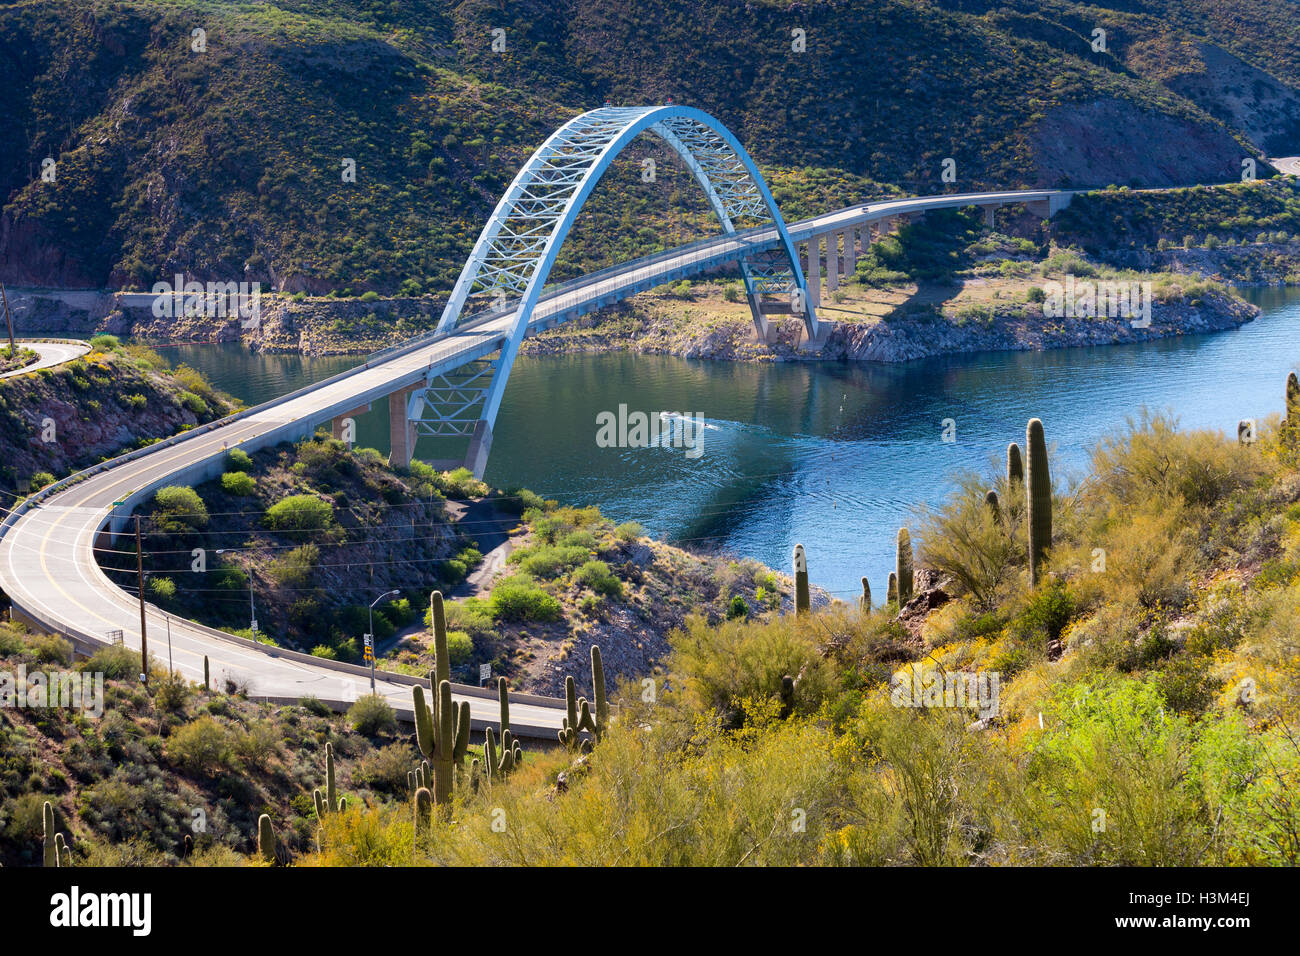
<point x="518" y="246"/>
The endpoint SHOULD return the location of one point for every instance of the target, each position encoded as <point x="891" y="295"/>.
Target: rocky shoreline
<point x="920" y="333"/>
<point x="329" y="327"/>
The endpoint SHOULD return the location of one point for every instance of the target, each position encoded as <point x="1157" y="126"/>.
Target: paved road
<point x="47" y="564"/>
<point x="1286" y="164"/>
<point x="51" y="353"/>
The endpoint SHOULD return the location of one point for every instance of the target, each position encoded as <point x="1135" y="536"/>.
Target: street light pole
<point x="371" y="635"/>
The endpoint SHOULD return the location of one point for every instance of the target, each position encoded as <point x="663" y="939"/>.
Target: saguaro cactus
<point x="423" y="810"/>
<point x="62" y="852"/>
<point x="329" y="801"/>
<point x="866" y="595"/>
<point x="1038" y="491"/>
<point x="1015" y="465"/>
<point x="995" y="508"/>
<point x="903" y="566"/>
<point x="265" y="839"/>
<point x="443" y="730"/>
<point x="802" y="599"/>
<point x="578" y="715"/>
<point x="497" y="763"/>
<point x="207" y="685"/>
<point x="50" y="846"/>
<point x="1291" y="427"/>
<point x="517" y="751"/>
<point x="891" y="591"/>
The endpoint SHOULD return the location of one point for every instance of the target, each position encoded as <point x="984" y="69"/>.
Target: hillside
<point x="1119" y="692"/>
<point x="226" y="163"/>
<point x="55" y="421"/>
<point x="322" y="531"/>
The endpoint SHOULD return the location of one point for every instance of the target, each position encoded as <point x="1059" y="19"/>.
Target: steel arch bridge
<point x="512" y="259"/>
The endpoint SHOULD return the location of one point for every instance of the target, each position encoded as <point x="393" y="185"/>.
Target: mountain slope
<point x="227" y="163"/>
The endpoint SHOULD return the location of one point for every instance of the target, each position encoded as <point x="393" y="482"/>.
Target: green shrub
<point x="201" y="746"/>
<point x="314" y="706"/>
<point x="194" y="404"/>
<point x="239" y="460"/>
<point x="1045" y="615"/>
<point x="738" y="660"/>
<point x="105" y="342"/>
<point x="116" y="662"/>
<point x="161" y="590"/>
<point x="294" y="569"/>
<point x="519" y="598"/>
<point x="596" y="575"/>
<point x="737" y="608"/>
<point x="372" y="715"/>
<point x="41" y="479"/>
<point x="300" y="513"/>
<point x="460" y="648"/>
<point x="628" y="531"/>
<point x="50" y="649"/>
<point x="385" y="769"/>
<point x="238" y="483"/>
<point x="179" y="509"/>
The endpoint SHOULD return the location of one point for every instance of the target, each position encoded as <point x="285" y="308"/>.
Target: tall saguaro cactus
<point x="1038" y="491"/>
<point x="903" y="566"/>
<point x="51" y="846"/>
<point x="802" y="598"/>
<point x="329" y="801"/>
<point x="265" y="839"/>
<point x="578" y="713"/>
<point x="1291" y="427"/>
<point x="866" y="595"/>
<point x="1015" y="465"/>
<point x="443" y="730"/>
<point x="498" y="763"/>
<point x="891" y="590"/>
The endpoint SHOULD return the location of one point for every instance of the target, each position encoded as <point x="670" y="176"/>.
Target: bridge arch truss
<point x="514" y="254"/>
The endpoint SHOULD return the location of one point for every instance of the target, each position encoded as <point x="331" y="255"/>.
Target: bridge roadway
<point x="47" y="563"/>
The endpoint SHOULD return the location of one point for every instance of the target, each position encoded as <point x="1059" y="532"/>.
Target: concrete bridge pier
<point x="401" y="430"/>
<point x="832" y="261"/>
<point x="850" y="251"/>
<point x="339" y="423"/>
<point x="480" y="444"/>
<point x="989" y="219"/>
<point x="813" y="271"/>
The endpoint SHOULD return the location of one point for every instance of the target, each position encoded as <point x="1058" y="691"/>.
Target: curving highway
<point x="47" y="563"/>
<point x="51" y="354"/>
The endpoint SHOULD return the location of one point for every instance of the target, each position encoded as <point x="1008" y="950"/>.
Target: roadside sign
<point x="369" y="656"/>
<point x="484" y="672"/>
<point x="113" y="637"/>
<point x="368" y="639"/>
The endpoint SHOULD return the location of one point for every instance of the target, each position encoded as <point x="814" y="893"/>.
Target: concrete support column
<point x="850" y="251"/>
<point x="813" y="271"/>
<point x="338" y="425"/>
<point x="832" y="261"/>
<point x="401" y="431"/>
<point x="988" y="216"/>
<point x="480" y="444"/>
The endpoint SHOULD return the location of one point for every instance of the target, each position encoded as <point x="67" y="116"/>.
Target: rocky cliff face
<point x="63" y="419"/>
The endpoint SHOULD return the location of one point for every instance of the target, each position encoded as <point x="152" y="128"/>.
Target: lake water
<point x="835" y="456"/>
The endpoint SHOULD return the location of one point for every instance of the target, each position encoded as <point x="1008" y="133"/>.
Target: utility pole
<point x="9" y="320"/>
<point x="139" y="579"/>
